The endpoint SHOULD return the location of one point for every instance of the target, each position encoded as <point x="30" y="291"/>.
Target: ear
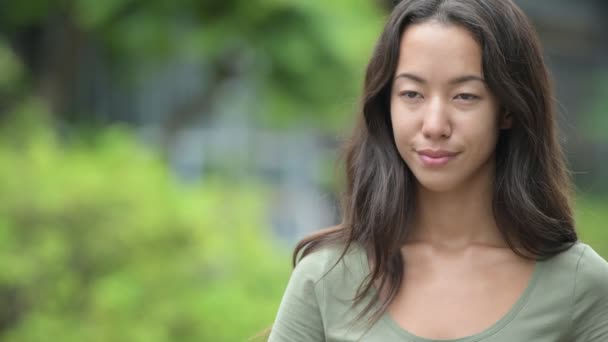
<point x="506" y="122"/>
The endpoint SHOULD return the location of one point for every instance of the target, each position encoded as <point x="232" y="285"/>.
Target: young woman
<point x="457" y="224"/>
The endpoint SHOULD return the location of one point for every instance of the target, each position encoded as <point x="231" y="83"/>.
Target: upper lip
<point x="436" y="153"/>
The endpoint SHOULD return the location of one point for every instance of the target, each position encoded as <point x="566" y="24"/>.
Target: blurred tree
<point x="98" y="243"/>
<point x="305" y="56"/>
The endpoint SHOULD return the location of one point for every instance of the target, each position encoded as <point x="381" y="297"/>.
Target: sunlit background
<point x="159" y="159"/>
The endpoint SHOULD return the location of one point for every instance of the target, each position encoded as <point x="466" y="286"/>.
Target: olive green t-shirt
<point x="566" y="300"/>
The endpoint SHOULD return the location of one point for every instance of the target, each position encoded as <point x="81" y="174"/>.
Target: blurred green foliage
<point x="591" y="221"/>
<point x="98" y="243"/>
<point x="594" y="120"/>
<point x="304" y="59"/>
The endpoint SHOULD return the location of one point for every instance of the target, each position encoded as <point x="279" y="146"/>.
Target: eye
<point x="466" y="97"/>
<point x="410" y="95"/>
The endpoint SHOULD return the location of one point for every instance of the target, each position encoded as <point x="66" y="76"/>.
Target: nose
<point x="436" y="124"/>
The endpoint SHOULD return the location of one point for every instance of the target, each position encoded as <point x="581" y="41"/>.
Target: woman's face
<point x="444" y="117"/>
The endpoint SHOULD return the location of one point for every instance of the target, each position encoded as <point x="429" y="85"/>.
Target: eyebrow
<point x="457" y="80"/>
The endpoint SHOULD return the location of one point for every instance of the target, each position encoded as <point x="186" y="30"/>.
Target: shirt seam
<point x="578" y="263"/>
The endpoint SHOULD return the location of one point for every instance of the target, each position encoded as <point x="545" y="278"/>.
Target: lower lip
<point x="439" y="161"/>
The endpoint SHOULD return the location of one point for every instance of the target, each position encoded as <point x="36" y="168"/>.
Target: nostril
<point x="437" y="130"/>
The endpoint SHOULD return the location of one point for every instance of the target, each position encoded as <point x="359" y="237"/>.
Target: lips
<point x="437" y="153"/>
<point x="434" y="158"/>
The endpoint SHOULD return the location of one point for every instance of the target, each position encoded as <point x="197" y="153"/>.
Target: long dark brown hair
<point x="531" y="200"/>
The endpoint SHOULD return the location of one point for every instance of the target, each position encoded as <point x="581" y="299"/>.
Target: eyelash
<point x="469" y="97"/>
<point x="406" y="93"/>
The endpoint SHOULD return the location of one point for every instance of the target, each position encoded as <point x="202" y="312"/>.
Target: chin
<point x="436" y="182"/>
<point x="437" y="185"/>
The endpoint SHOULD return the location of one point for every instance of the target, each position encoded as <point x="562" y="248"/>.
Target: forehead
<point x="439" y="51"/>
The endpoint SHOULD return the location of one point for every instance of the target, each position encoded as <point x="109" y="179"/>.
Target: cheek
<point x="404" y="134"/>
<point x="403" y="120"/>
<point x="482" y="135"/>
<point x="486" y="143"/>
<point x="403" y="128"/>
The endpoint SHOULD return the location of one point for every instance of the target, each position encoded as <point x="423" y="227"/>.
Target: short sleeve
<point x="299" y="317"/>
<point x="590" y="315"/>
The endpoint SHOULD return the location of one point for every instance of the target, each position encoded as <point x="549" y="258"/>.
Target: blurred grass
<point x="592" y="221"/>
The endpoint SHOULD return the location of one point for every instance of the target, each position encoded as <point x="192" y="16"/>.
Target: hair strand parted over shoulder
<point x="531" y="200"/>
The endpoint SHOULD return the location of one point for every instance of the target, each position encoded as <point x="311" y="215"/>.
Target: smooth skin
<point x="460" y="275"/>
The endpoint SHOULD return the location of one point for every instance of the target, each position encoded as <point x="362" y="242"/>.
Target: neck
<point x="458" y="218"/>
